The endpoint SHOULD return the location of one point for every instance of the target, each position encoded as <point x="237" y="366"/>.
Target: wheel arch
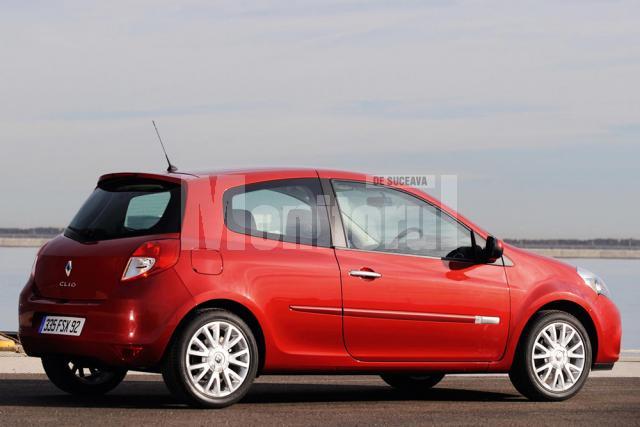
<point x="234" y="307"/>
<point x="575" y="310"/>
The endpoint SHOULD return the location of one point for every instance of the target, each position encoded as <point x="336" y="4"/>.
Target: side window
<point x="288" y="210"/>
<point x="378" y="218"/>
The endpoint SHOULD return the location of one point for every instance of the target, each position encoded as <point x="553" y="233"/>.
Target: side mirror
<point x="493" y="251"/>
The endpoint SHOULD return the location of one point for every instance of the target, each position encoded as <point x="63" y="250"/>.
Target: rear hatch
<point x="87" y="262"/>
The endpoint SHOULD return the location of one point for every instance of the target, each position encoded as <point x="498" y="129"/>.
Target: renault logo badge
<point x="68" y="268"/>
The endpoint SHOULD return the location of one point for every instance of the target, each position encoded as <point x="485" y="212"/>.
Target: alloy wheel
<point x="558" y="357"/>
<point x="217" y="359"/>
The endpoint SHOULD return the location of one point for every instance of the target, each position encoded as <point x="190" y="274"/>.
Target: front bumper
<point x="609" y="328"/>
<point x="602" y="366"/>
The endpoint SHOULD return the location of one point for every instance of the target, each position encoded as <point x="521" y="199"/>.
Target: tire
<point x="209" y="376"/>
<point x="81" y="378"/>
<point x="563" y="364"/>
<point x="412" y="383"/>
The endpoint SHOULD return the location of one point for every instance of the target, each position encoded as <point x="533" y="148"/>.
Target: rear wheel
<point x="554" y="357"/>
<point x="79" y="377"/>
<point x="412" y="383"/>
<point x="213" y="361"/>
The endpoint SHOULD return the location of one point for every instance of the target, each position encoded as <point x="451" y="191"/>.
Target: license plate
<point x="61" y="325"/>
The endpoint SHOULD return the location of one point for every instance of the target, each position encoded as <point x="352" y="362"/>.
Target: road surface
<point x="321" y="400"/>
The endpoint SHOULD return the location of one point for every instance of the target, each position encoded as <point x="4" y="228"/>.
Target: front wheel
<point x="554" y="358"/>
<point x="412" y="383"/>
<point x="213" y="360"/>
<point x="80" y="377"/>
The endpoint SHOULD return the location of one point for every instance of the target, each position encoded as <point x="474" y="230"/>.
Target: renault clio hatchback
<point x="213" y="279"/>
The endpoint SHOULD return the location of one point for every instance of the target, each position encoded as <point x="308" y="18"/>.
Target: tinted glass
<point x="126" y="209"/>
<point x="145" y="211"/>
<point x="378" y="218"/>
<point x="286" y="210"/>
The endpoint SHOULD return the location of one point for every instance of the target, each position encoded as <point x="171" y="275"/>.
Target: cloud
<point x="392" y="109"/>
<point x="352" y="84"/>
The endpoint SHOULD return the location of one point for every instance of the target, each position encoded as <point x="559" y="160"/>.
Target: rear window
<point x="128" y="208"/>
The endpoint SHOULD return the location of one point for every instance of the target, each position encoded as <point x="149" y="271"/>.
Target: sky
<point x="533" y="105"/>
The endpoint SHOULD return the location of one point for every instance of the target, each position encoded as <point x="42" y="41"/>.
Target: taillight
<point x="152" y="257"/>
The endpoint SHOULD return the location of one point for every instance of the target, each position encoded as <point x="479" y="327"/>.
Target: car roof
<point x="268" y="173"/>
<point x="256" y="171"/>
<point x="272" y="173"/>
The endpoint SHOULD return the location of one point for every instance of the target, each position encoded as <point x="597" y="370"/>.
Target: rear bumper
<point x="126" y="330"/>
<point x="126" y="355"/>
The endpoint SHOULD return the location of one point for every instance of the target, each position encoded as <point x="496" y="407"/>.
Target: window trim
<point x="344" y="233"/>
<point x="338" y="235"/>
<point x="239" y="189"/>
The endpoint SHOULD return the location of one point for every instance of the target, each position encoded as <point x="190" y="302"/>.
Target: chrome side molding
<point x="487" y="320"/>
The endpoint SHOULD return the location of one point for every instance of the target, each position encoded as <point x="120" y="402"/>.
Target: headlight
<point x="594" y="282"/>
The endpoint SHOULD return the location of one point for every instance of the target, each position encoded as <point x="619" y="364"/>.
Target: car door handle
<point x="365" y="274"/>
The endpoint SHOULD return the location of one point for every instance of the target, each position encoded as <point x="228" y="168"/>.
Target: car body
<point x="313" y="303"/>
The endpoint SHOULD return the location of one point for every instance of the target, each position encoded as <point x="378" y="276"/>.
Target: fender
<point x="183" y="311"/>
<point x="527" y="309"/>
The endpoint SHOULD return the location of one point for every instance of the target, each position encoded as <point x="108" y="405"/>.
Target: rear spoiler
<point x="173" y="177"/>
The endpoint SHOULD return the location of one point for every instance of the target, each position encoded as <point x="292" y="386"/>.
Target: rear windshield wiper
<point x="89" y="233"/>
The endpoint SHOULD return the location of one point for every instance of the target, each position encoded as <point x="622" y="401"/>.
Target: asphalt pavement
<point x="27" y="399"/>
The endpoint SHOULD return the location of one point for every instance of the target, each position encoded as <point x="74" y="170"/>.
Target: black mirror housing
<point x="493" y="251"/>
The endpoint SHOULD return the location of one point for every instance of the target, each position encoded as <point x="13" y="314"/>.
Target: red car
<point x="215" y="278"/>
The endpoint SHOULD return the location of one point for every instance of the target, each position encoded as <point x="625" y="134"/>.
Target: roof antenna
<point x="171" y="168"/>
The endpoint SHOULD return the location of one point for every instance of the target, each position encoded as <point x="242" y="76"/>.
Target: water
<point x="621" y="277"/>
<point x="15" y="266"/>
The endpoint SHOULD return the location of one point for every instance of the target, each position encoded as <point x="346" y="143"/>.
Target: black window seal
<point x="338" y="235"/>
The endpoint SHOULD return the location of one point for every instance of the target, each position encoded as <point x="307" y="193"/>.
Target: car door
<point x="411" y="291"/>
<point x="277" y="253"/>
